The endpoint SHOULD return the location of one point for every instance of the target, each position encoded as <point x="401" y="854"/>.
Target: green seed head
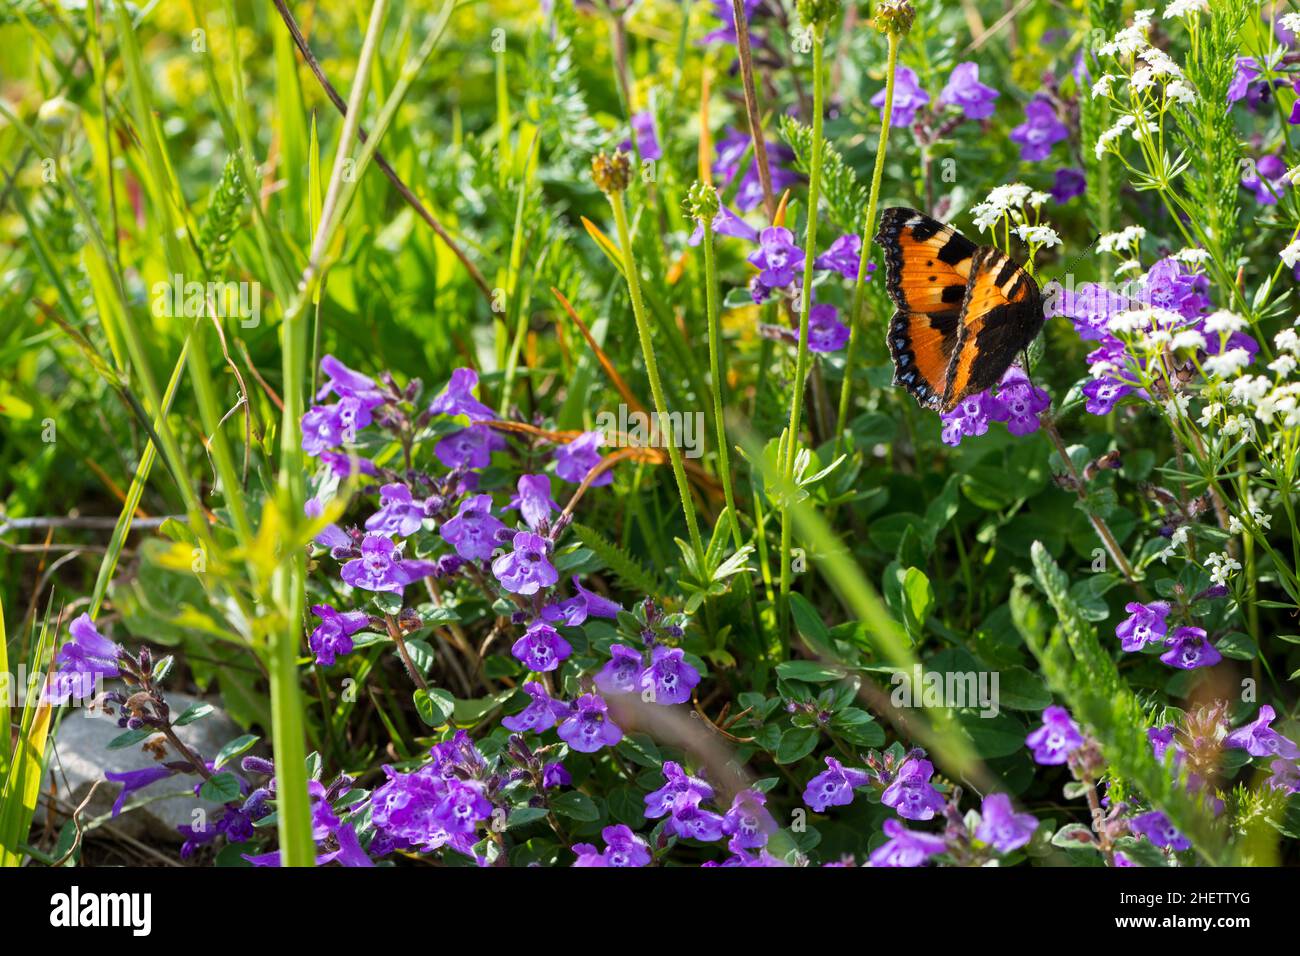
<point x="701" y="202"/>
<point x="611" y="173"/>
<point x="894" y="17"/>
<point x="817" y="13"/>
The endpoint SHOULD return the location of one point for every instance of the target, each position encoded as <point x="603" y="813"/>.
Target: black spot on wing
<point x="953" y="294"/>
<point x="956" y="249"/>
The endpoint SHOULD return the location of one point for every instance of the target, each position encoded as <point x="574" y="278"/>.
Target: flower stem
<point x="715" y="370"/>
<point x="652" y="373"/>
<point x="805" y="305"/>
<point x="868" y="228"/>
<point x="746" y="60"/>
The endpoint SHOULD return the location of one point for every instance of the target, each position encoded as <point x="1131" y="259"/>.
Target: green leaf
<point x="196" y="711"/>
<point x="435" y="705"/>
<point x="810" y="671"/>
<point x="796" y="744"/>
<point x="129" y="738"/>
<point x="222" y="788"/>
<point x="575" y="805"/>
<point x="233" y="749"/>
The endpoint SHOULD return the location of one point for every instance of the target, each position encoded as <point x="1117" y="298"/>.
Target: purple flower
<point x="694" y="823"/>
<point x="1021" y="402"/>
<point x="1103" y="394"/>
<point x="748" y="822"/>
<point x="1053" y="742"/>
<point x="379" y="568"/>
<point x="1161" y="738"/>
<point x="345" y="466"/>
<point x="473" y="531"/>
<point x="345" y="383"/>
<point x="1267" y="179"/>
<point x="725" y="223"/>
<point x="1067" y="184"/>
<point x="321" y="429"/>
<point x="576" y="610"/>
<point x="534" y="500"/>
<point x="1001" y="827"/>
<point x="971" y="417"/>
<point x="133" y="780"/>
<point x="906" y="847"/>
<point x="470" y="447"/>
<point x="844" y="256"/>
<point x="588" y="727"/>
<point x="826" y="333"/>
<point x="83" y="661"/>
<point x="458" y="397"/>
<point x="554" y="775"/>
<point x="1145" y="625"/>
<point x="1189" y="649"/>
<point x="541" y="648"/>
<point x="1260" y="740"/>
<point x="776" y="257"/>
<point x="333" y="636"/>
<point x="669" y="679"/>
<point x="1090" y="307"/>
<point x="833" y="787"/>
<point x="526" y="569"/>
<point x="724" y="11"/>
<point x="541" y="713"/>
<point x="647" y="143"/>
<point x="1245" y="83"/>
<point x="397" y="513"/>
<point x="623" y="847"/>
<point x="574" y="461"/>
<point x="1040" y="131"/>
<point x="1155" y="826"/>
<point x="965" y="90"/>
<point x="588" y="855"/>
<point x="911" y="792"/>
<point x="1286" y="775"/>
<point x="679" y="791"/>
<point x="731" y="150"/>
<point x="908" y="97"/>
<point x="622" y="672"/>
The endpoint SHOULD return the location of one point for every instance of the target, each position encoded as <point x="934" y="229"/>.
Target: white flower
<point x="1161" y="63"/>
<point x="1128" y="321"/>
<point x="1129" y="265"/>
<point x="1182" y="8"/>
<point x="1287" y="341"/>
<point x="1227" y="363"/>
<point x="1290" y="21"/>
<point x="1188" y="339"/>
<point x="1192" y="256"/>
<point x="1001" y="201"/>
<point x="1143" y="79"/>
<point x="1103" y="85"/>
<point x="1224" y="321"/>
<point x="1176" y="405"/>
<point x="1265" y="521"/>
<point x="1209" y="413"/>
<point x="1283" y="365"/>
<point x="1036" y="199"/>
<point x="1114" y="241"/>
<point x="1249" y="389"/>
<point x="1038" y="235"/>
<point x="1291" y="254"/>
<point x="1180" y="92"/>
<point x="1221" y="566"/>
<point x="1177" y="540"/>
<point x="1235" y="425"/>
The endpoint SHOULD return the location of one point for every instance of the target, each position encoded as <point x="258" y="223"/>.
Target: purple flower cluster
<point x="749" y="194"/>
<point x="1015" y="400"/>
<point x="82" y="663"/>
<point x="1040" y="131"/>
<point x="325" y="427"/>
<point x="1059" y="736"/>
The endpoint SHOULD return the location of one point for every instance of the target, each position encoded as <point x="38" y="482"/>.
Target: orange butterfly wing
<point x="929" y="267"/>
<point x="1001" y="314"/>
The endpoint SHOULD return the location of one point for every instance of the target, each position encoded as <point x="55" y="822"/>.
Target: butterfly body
<point x="964" y="312"/>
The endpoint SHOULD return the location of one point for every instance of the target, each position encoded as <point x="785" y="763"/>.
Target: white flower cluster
<point x="1291" y="254"/>
<point x="1257" y="517"/>
<point x="1273" y="401"/>
<point x="1177" y="540"/>
<point x="1126" y="239"/>
<point x="1290" y="21"/>
<point x="1002" y="201"/>
<point x="1183" y="8"/>
<point x="1221" y="567"/>
<point x="1038" y="236"/>
<point x="1131" y="39"/>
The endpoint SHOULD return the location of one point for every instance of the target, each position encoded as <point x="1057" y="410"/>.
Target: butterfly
<point x="964" y="311"/>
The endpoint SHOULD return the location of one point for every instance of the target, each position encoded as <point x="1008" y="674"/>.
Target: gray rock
<point x="81" y="756"/>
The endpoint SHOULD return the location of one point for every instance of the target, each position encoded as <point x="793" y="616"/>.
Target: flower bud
<point x="56" y="115"/>
<point x="701" y="202"/>
<point x="611" y="174"/>
<point x="894" y="17"/>
<point x="817" y="13"/>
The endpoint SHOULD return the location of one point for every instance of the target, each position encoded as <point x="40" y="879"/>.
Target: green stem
<point x="715" y="370"/>
<point x="868" y="229"/>
<point x="805" y="305"/>
<point x="652" y="373"/>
